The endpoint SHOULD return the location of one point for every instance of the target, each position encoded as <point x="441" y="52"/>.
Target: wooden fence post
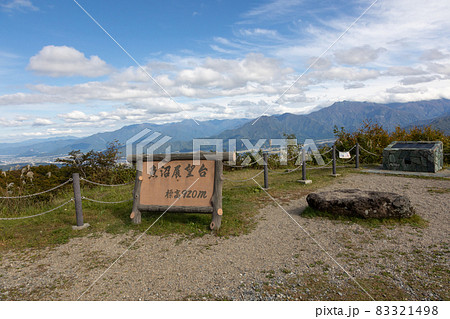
<point x="135" y="212"/>
<point x="217" y="196"/>
<point x="304" y="180"/>
<point x="78" y="205"/>
<point x="334" y="159"/>
<point x="266" y="172"/>
<point x="357" y="155"/>
<point x="334" y="162"/>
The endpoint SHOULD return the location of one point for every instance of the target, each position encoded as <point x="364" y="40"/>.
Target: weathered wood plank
<point x="176" y="209"/>
<point x="135" y="212"/>
<point x="216" y="199"/>
<point x="224" y="156"/>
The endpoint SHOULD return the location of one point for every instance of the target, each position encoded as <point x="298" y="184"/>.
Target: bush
<point x="101" y="166"/>
<point x="372" y="137"/>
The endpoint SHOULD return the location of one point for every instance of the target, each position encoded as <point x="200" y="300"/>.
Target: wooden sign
<point x="181" y="185"/>
<point x="178" y="181"/>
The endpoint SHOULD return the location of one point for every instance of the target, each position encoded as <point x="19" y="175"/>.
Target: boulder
<point x="367" y="204"/>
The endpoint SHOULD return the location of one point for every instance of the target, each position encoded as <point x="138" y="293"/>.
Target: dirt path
<point x="277" y="260"/>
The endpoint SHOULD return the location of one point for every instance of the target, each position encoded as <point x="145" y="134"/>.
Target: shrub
<point x="101" y="166"/>
<point x="372" y="137"/>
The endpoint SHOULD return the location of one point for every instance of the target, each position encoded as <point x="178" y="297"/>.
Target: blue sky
<point x="60" y="74"/>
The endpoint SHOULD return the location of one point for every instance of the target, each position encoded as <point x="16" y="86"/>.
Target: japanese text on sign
<point x="178" y="183"/>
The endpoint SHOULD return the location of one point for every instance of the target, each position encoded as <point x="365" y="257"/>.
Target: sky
<point x="81" y="67"/>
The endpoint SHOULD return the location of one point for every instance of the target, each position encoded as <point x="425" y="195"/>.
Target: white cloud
<point x="247" y="103"/>
<point x="201" y="76"/>
<point x="358" y="55"/>
<point x="18" y="5"/>
<point x="226" y="42"/>
<point x="29" y="98"/>
<point x="160" y="105"/>
<point x="273" y="9"/>
<point x="439" y="68"/>
<point x="222" y="50"/>
<point x="10" y="123"/>
<point x="403" y="27"/>
<point x="50" y="132"/>
<point x="58" y="61"/>
<point x="382" y="58"/>
<point x="401" y="90"/>
<point x="403" y="71"/>
<point x="132" y="74"/>
<point x="42" y="122"/>
<point x="254" y="67"/>
<point x="129" y="113"/>
<point x="319" y="63"/>
<point x="433" y="54"/>
<point x="79" y="116"/>
<point x="418" y="79"/>
<point x="355" y="85"/>
<point x="258" y="32"/>
<point x="345" y="73"/>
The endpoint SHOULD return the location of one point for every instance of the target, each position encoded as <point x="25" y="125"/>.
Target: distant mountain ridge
<point x="317" y="125"/>
<point x="350" y="115"/>
<point x="441" y="123"/>
<point x="179" y="131"/>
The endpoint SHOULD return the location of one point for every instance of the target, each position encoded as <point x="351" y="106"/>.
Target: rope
<point x="31" y="195"/>
<point x="347" y="161"/>
<point x="99" y="184"/>
<point x="101" y="202"/>
<point x="346" y="151"/>
<point x="322" y="165"/>
<point x="238" y="166"/>
<point x="368" y="151"/>
<point x="288" y="172"/>
<point x="241" y="166"/>
<point x="326" y="151"/>
<point x="243" y="180"/>
<point x="49" y="211"/>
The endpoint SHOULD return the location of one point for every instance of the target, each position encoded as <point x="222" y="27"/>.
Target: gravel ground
<point x="279" y="260"/>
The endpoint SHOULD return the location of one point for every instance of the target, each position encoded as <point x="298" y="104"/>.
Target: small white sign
<point x="344" y="155"/>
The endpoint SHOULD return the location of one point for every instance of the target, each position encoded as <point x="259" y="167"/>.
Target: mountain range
<point x="316" y="125"/>
<point x="320" y="124"/>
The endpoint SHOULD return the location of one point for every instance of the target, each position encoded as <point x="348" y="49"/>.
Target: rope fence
<point x="348" y="160"/>
<point x="40" y="214"/>
<point x="241" y="166"/>
<point x="369" y="152"/>
<point x="323" y="166"/>
<point x="326" y="152"/>
<point x="334" y="161"/>
<point x="243" y="180"/>
<point x="102" y="202"/>
<point x="107" y="185"/>
<point x="286" y="172"/>
<point x="36" y="194"/>
<point x="75" y="180"/>
<point x="351" y="149"/>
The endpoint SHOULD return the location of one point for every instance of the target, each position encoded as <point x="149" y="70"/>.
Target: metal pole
<point x="77" y="198"/>
<point x="266" y="172"/>
<point x="357" y="155"/>
<point x="334" y="159"/>
<point x="303" y="165"/>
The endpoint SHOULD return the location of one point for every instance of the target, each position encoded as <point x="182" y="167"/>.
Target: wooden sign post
<point x="180" y="185"/>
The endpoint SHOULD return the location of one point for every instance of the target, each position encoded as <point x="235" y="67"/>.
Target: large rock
<point x="367" y="204"/>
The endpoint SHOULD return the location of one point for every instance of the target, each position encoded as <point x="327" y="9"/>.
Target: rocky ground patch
<point x="278" y="260"/>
